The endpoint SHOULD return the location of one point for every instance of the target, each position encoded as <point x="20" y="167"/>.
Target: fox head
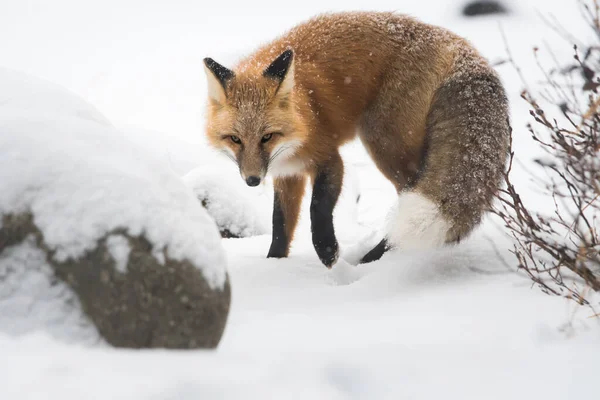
<point x="251" y="115"/>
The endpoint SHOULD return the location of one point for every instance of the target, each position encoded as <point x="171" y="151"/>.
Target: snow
<point x="118" y="247"/>
<point x="456" y="322"/>
<point x="23" y="94"/>
<point x="366" y="372"/>
<point x="242" y="213"/>
<point x="82" y="180"/>
<point x="31" y="298"/>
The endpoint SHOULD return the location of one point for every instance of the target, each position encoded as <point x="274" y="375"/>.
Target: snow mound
<point x="22" y="94"/>
<point x="238" y="210"/>
<point x="81" y="180"/>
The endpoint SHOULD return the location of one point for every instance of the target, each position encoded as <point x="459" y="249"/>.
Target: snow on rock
<point x="32" y="297"/>
<point x="238" y="210"/>
<point x="82" y="179"/>
<point x="23" y="95"/>
<point x="117" y="225"/>
<point x="119" y="249"/>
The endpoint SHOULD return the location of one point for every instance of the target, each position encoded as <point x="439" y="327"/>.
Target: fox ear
<point x="282" y="69"/>
<point x="217" y="76"/>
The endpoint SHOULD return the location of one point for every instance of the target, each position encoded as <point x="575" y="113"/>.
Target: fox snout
<point x="253" y="180"/>
<point x="253" y="168"/>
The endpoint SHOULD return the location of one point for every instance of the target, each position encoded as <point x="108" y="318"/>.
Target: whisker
<point x="277" y="154"/>
<point x="279" y="151"/>
<point x="230" y="157"/>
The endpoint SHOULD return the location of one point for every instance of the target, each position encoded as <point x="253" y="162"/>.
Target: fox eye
<point x="235" y="139"/>
<point x="266" y="138"/>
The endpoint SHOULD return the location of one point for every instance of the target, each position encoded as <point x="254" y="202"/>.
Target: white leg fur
<point x="416" y="222"/>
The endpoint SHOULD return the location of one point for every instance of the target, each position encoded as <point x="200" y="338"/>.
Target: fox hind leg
<point x="376" y="252"/>
<point x="415" y="222"/>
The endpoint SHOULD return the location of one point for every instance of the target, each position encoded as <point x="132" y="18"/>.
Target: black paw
<point x="328" y="253"/>
<point x="277" y="252"/>
<point x="276" y="255"/>
<point x="376" y="253"/>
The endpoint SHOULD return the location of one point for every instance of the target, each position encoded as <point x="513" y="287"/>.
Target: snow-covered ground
<point x="452" y="323"/>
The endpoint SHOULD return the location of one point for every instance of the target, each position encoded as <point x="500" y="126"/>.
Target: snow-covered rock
<point x="239" y="211"/>
<point x="129" y="242"/>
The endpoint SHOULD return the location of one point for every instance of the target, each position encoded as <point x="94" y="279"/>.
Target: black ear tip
<point x="279" y="68"/>
<point x="221" y="73"/>
<point x="289" y="53"/>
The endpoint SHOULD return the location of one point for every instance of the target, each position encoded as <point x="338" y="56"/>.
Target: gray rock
<point x="143" y="303"/>
<point x="483" y="7"/>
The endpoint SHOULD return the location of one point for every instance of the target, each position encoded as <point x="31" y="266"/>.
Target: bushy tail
<point x="465" y="155"/>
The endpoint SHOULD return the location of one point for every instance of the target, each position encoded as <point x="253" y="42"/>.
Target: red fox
<point x="429" y="109"/>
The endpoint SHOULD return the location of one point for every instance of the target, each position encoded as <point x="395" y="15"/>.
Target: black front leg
<point x="326" y="190"/>
<point x="286" y="209"/>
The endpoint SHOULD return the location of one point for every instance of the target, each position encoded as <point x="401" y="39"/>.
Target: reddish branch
<point x="561" y="251"/>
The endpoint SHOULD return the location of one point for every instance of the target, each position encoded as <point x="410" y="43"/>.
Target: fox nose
<point x="253" y="180"/>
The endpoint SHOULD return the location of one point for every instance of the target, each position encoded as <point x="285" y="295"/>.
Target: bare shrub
<point x="560" y="249"/>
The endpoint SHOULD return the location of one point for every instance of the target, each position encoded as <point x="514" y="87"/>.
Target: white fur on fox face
<point x="283" y="163"/>
<point x="228" y="152"/>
